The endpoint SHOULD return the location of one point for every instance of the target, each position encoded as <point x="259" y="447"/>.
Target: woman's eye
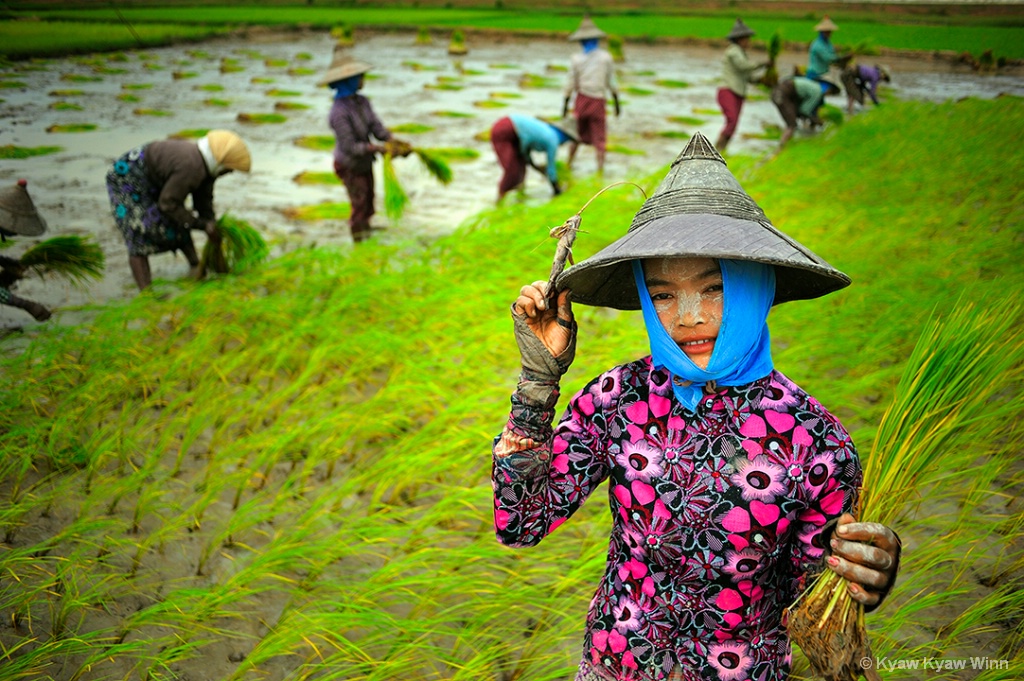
<point x="714" y="288"/>
<point x="660" y="296"/>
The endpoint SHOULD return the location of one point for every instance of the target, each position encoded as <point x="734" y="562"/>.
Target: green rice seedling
<point x="448" y="87"/>
<point x="262" y="80"/>
<point x="151" y="112"/>
<point x="408" y="129"/>
<point x="216" y="101"/>
<point x="129" y="97"/>
<point x="557" y="68"/>
<point x="275" y="63"/>
<point x="240" y="248"/>
<point x="190" y="133"/>
<point x="532" y="80"/>
<point x="423" y="36"/>
<point x="395" y="198"/>
<point x="109" y="71"/>
<point x="669" y="83"/>
<point x="456" y="154"/>
<point x="66" y="93"/>
<point x="771" y="75"/>
<point x="9" y="151"/>
<point x="261" y="118"/>
<point x="290" y="106"/>
<point x="319" y="211"/>
<point x="228" y="65"/>
<point x="71" y="127"/>
<point x="963" y="376"/>
<point x="452" y="114"/>
<point x="299" y="71"/>
<point x="72" y="258"/>
<point x="80" y="78"/>
<point x="505" y="95"/>
<point x="277" y="92"/>
<point x="150" y="66"/>
<point x="316" y="177"/>
<point x="615" y="44"/>
<point x="770" y="131"/>
<point x="457" y="44"/>
<point x="638" y="91"/>
<point x="344" y="35"/>
<point x="674" y="134"/>
<point x="686" y="120"/>
<point x="435" y="164"/>
<point x="418" y="66"/>
<point x="210" y="87"/>
<point x="11" y="84"/>
<point x="183" y="75"/>
<point x="490" y="104"/>
<point x="199" y="54"/>
<point x="135" y="86"/>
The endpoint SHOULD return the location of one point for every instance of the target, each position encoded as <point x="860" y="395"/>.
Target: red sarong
<point x="506" y="146"/>
<point x="731" y="104"/>
<point x="591" y="120"/>
<point x="360" y="196"/>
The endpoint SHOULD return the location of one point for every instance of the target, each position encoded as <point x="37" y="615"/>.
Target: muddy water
<point x="69" y="190"/>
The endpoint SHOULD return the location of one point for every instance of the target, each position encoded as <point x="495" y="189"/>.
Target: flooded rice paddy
<point x="668" y="92"/>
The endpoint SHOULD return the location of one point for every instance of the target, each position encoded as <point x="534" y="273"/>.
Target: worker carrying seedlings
<point x="515" y="137"/>
<point x="354" y="122"/>
<point x="18" y="215"/>
<point x="148" y="186"/>
<point x="724" y="475"/>
<point x="859" y="79"/>
<point x="591" y="78"/>
<point x="798" y="98"/>
<point x="737" y="72"/>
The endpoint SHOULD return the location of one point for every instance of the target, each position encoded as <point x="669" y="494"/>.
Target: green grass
<point x="317" y="142"/>
<point x="319" y="211"/>
<point x="26" y="38"/>
<point x="72" y="127"/>
<point x="316" y="177"/>
<point x="261" y="118"/>
<point x="294" y="462"/>
<point x="410" y="128"/>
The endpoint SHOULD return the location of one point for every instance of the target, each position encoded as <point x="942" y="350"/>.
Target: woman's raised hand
<point x="554" y="328"/>
<point x="546" y="337"/>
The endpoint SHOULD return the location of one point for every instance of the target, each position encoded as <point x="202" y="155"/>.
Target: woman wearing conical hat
<point x="354" y="123"/>
<point x="148" y="187"/>
<point x="822" y="55"/>
<point x="591" y="78"/>
<point x="723" y="473"/>
<point x="18" y="216"/>
<point x="737" y="72"/>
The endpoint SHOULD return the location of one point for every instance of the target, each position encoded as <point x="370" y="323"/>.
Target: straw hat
<point x="699" y="210"/>
<point x="343" y="66"/>
<point x="568" y="126"/>
<point x="229" y="150"/>
<point x="587" y="30"/>
<point x="826" y="24"/>
<point x="739" y="30"/>
<point x="18" y="214"/>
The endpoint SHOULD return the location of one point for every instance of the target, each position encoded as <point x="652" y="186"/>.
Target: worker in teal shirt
<point x="514" y="137"/>
<point x="822" y="54"/>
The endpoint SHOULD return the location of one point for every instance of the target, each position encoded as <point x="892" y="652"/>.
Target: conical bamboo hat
<point x="699" y="210"/>
<point x="587" y="30"/>
<point x="18" y="214"/>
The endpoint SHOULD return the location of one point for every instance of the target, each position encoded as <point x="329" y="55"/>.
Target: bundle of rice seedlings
<point x="615" y="48"/>
<point x="831" y="114"/>
<point x="73" y="258"/>
<point x="240" y="248"/>
<point x="435" y="164"/>
<point x="395" y="198"/>
<point x="961" y="386"/>
<point x="771" y="74"/>
<point x="457" y="45"/>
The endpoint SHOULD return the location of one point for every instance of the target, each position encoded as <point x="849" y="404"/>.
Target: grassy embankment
<point x="1004" y="36"/>
<point x="285" y="475"/>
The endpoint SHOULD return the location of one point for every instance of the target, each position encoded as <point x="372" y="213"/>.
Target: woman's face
<point x="688" y="297"/>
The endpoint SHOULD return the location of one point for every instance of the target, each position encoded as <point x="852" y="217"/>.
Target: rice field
<point x="285" y="474"/>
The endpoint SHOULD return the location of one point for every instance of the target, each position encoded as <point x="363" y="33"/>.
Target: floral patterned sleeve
<point x="536" y="486"/>
<point x="832" y="487"/>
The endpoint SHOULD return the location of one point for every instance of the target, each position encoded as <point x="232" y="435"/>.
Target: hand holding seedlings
<point x="867" y="556"/>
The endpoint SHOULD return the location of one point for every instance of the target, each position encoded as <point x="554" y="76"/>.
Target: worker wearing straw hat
<point x="18" y="215"/>
<point x="861" y="79"/>
<point x="737" y="71"/>
<point x="822" y="55"/>
<point x="148" y="186"/>
<point x="724" y="475"/>
<point x="515" y="137"/>
<point x="591" y="78"/>
<point x="354" y="123"/>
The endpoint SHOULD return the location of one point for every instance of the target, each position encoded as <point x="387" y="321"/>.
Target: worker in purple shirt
<point x="858" y="79"/>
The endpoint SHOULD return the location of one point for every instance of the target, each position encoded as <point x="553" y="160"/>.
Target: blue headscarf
<point x="743" y="349"/>
<point x="346" y="87"/>
<point x="590" y="44"/>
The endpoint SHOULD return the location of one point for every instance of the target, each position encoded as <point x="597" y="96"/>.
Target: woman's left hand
<point x="867" y="555"/>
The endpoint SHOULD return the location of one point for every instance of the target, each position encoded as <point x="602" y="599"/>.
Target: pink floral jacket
<point x="716" y="515"/>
